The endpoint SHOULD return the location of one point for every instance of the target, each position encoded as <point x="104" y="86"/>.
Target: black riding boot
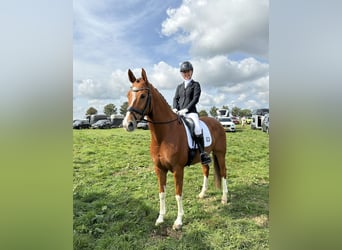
<point x="205" y="158"/>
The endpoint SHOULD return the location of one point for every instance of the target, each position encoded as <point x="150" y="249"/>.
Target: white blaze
<point x="125" y="121"/>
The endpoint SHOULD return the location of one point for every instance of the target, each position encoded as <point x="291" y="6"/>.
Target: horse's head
<point x="139" y="100"/>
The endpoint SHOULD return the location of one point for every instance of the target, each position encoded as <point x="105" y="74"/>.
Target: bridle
<point x="147" y="106"/>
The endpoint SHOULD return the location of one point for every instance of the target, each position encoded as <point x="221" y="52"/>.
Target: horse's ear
<point x="131" y="76"/>
<point x="143" y="75"/>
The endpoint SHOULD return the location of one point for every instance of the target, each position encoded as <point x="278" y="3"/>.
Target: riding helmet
<point x="186" y="66"/>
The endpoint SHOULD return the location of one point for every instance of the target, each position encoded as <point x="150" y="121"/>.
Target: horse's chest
<point x="161" y="155"/>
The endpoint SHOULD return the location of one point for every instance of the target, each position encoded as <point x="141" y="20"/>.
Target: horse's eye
<point x="142" y="96"/>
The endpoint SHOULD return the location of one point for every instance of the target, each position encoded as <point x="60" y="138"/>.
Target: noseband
<point x="147" y="104"/>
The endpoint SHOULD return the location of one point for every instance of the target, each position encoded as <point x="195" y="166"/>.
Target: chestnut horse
<point x="169" y="146"/>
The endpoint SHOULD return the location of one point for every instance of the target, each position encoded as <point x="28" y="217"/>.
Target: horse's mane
<point x="161" y="96"/>
<point x="157" y="91"/>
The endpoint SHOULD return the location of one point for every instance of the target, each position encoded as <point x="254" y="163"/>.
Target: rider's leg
<point x="205" y="158"/>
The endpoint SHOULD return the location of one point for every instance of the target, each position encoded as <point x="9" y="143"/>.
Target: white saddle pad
<point x="206" y="135"/>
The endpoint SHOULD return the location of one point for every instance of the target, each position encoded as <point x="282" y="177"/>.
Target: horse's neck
<point x="161" y="110"/>
<point x="162" y="117"/>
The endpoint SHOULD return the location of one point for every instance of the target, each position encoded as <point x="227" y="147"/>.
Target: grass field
<point x="116" y="198"/>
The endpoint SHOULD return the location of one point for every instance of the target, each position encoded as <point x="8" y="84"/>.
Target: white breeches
<point x="195" y="118"/>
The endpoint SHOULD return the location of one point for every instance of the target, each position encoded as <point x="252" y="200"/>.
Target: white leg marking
<point x="204" y="187"/>
<point x="178" y="222"/>
<point x="162" y="210"/>
<point x="224" y="191"/>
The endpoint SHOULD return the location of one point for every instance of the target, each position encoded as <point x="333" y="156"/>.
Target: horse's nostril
<point x="130" y="126"/>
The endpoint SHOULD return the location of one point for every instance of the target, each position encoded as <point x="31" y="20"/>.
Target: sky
<point x="226" y="41"/>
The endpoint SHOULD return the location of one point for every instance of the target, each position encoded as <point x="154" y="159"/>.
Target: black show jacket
<point x="187" y="97"/>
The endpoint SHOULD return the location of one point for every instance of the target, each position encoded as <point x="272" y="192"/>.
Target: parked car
<point x="80" y="124"/>
<point x="227" y="123"/>
<point x="266" y="123"/>
<point x="142" y="124"/>
<point x="235" y="120"/>
<point x="102" y="124"/>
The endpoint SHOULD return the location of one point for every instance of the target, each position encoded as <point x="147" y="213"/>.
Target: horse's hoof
<point x="159" y="221"/>
<point x="224" y="201"/>
<point x="201" y="196"/>
<point x="177" y="227"/>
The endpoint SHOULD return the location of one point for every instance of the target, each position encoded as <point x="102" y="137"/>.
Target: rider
<point x="184" y="103"/>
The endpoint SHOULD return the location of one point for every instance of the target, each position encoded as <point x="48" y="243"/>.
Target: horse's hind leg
<point x="224" y="198"/>
<point x="162" y="193"/>
<point x="205" y="170"/>
<point x="221" y="175"/>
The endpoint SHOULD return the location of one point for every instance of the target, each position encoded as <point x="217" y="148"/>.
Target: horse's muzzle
<point x="129" y="124"/>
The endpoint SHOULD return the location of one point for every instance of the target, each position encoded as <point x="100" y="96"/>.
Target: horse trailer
<point x="116" y="120"/>
<point x="222" y="112"/>
<point x="258" y="117"/>
<point x="94" y="118"/>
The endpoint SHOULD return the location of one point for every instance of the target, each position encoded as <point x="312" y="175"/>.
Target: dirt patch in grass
<point x="261" y="221"/>
<point x="163" y="231"/>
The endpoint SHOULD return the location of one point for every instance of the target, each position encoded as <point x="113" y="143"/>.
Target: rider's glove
<point x="175" y="110"/>
<point x="182" y="111"/>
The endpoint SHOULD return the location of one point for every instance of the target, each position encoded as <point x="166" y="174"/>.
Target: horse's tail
<point x="217" y="175"/>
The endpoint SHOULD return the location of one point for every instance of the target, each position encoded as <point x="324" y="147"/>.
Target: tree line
<point x="111" y="109"/>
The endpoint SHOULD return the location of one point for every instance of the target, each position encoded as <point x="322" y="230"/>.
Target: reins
<point x="178" y="118"/>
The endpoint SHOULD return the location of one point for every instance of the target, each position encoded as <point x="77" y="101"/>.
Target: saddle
<point x="190" y="131"/>
<point x="190" y="124"/>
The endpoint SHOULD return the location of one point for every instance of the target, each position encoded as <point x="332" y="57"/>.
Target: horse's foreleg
<point x="162" y="194"/>
<point x="178" y="222"/>
<point x="178" y="178"/>
<point x="205" y="170"/>
<point x="162" y="208"/>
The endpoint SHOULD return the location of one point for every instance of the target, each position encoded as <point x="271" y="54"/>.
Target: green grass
<point x="116" y="198"/>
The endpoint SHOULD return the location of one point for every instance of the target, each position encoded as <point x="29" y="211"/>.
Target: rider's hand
<point x="175" y="110"/>
<point x="182" y="111"/>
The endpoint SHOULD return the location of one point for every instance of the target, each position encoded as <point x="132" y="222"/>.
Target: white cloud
<point x="221" y="27"/>
<point x="164" y="76"/>
<point x="223" y="82"/>
<point x="220" y="71"/>
<point x="222" y="39"/>
<point x="242" y="97"/>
